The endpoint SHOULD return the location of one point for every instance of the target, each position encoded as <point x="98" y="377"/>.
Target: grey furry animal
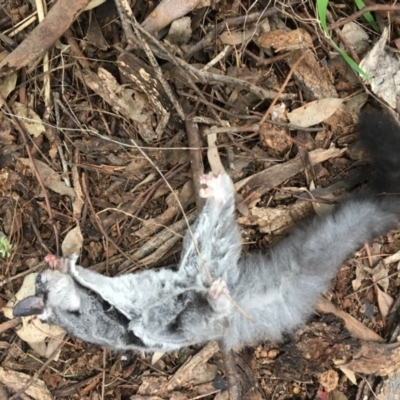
<point x="77" y="299"/>
<point x="278" y="290"/>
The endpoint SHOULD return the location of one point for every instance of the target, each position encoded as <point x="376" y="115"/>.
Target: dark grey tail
<point x="380" y="136"/>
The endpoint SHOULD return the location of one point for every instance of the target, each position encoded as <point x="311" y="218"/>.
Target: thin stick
<point x="282" y="87"/>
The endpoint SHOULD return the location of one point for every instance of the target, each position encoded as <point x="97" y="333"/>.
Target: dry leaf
<point x="314" y="112"/>
<point x="29" y="119"/>
<point x="380" y="274"/>
<point x="72" y="243"/>
<point x="392" y="259"/>
<point x="51" y="179"/>
<point x="8" y="83"/>
<point x="233" y="38"/>
<point x="17" y="380"/>
<point x="357" y="102"/>
<point x="321" y="209"/>
<point x="156" y="356"/>
<point x="361" y="274"/>
<point x="128" y="102"/>
<point x="180" y="31"/>
<point x="356" y="36"/>
<point x="33" y="331"/>
<point x="351" y="376"/>
<point x="384" y="301"/>
<point x="385" y="82"/>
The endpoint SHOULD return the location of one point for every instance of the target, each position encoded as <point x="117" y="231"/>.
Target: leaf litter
<point x="111" y="88"/>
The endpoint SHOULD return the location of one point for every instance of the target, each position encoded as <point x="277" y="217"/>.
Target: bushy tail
<point x="380" y="136"/>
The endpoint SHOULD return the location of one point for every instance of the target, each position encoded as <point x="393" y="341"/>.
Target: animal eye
<point x="74" y="312"/>
<point x="174" y="326"/>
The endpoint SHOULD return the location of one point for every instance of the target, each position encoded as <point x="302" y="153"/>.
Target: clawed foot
<point x="219" y="296"/>
<point x="218" y="288"/>
<point x="214" y="187"/>
<point x="62" y="264"/>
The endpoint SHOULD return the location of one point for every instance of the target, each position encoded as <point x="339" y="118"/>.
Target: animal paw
<point x="214" y="187"/>
<point x="218" y="295"/>
<point x="54" y="262"/>
<point x="218" y="288"/>
<point x="62" y="264"/>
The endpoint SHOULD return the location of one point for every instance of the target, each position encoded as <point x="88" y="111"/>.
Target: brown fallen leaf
<point x="314" y="112"/>
<point x="51" y="179"/>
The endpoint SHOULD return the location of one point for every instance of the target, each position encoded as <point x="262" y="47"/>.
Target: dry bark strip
<point x="356" y="328"/>
<point x="185" y="372"/>
<point x="43" y="37"/>
<point x="277" y="174"/>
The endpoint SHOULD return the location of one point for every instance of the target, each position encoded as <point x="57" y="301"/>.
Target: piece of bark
<point x="142" y="76"/>
<point x="355" y="327"/>
<point x="41" y="39"/>
<point x="277" y="174"/>
<point x="183" y="374"/>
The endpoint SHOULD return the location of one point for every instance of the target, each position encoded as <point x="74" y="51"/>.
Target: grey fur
<point x="167" y="310"/>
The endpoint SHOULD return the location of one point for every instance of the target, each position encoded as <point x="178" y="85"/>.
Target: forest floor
<point x="119" y="121"/>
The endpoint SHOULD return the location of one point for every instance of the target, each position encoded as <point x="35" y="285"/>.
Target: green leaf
<point x="367" y="15"/>
<point x="5" y="247"/>
<point x="322" y="7"/>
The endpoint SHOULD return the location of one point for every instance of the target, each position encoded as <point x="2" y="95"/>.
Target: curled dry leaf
<point x="323" y="208"/>
<point x="51" y="179"/>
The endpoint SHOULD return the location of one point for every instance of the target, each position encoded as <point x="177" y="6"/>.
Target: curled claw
<point x="53" y="262"/>
<point x="62" y="264"/>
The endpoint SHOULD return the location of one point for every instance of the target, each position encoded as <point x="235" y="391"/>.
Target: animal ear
<point x="31" y="305"/>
